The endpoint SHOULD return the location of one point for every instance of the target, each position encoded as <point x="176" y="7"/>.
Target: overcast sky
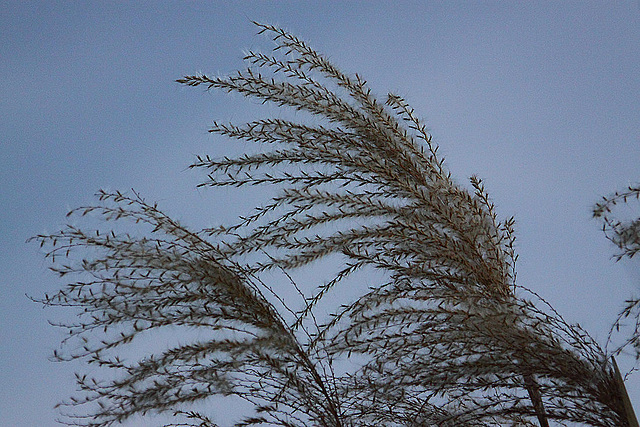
<point x="540" y="99"/>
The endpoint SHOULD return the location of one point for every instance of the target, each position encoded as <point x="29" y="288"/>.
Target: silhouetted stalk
<point x="533" y="389"/>
<point x="628" y="408"/>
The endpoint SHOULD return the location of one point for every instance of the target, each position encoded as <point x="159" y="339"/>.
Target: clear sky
<point x="541" y="99"/>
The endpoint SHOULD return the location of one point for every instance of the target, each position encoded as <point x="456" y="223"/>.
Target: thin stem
<point x="536" y="399"/>
<point x="626" y="402"/>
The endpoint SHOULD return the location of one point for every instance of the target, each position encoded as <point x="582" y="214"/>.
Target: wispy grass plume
<point x="448" y="338"/>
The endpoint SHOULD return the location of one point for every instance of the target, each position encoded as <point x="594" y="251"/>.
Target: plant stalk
<point x="626" y="402"/>
<point x="536" y="399"/>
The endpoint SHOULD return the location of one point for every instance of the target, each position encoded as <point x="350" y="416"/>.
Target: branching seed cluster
<point x="448" y="338"/>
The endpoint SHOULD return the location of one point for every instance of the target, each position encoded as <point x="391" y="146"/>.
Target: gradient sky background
<point x="541" y="99"/>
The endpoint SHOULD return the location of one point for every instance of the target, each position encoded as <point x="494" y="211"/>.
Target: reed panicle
<point x="448" y="338"/>
<point x="625" y="235"/>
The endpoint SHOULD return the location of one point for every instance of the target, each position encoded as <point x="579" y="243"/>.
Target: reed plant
<point x="445" y="337"/>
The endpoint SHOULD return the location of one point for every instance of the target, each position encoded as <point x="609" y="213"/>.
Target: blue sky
<point x="540" y="99"/>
